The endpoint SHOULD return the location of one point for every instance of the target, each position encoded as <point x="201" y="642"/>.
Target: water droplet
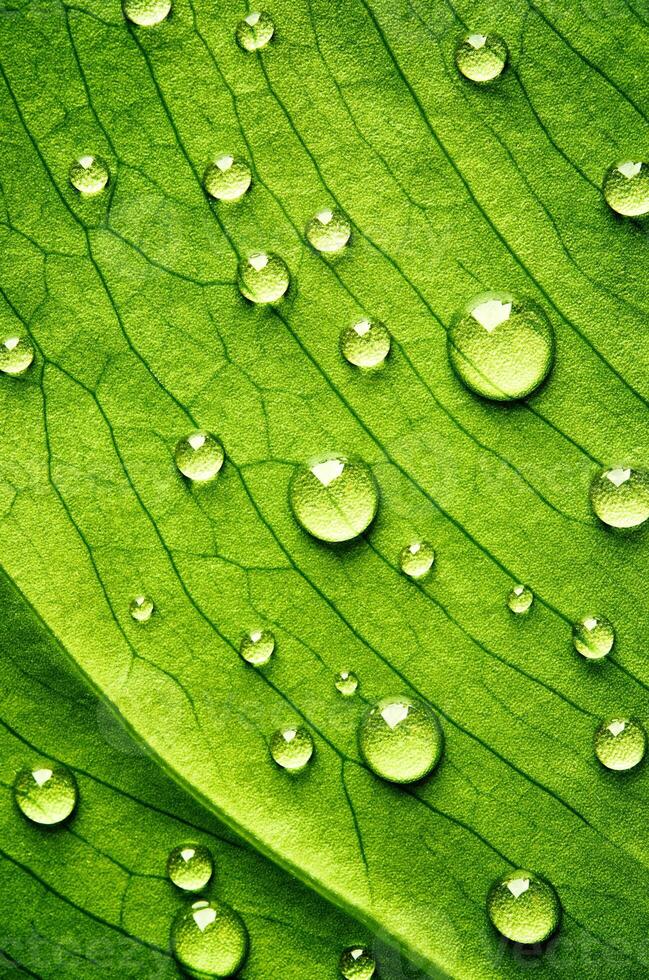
<point x="209" y="939"/>
<point x="501" y="347"/>
<point x="328" y="230"/>
<point x="335" y="499"/>
<point x="366" y="344"/>
<point x="520" y="599"/>
<point x="481" y="57"/>
<point x="47" y="794"/>
<point x="620" y="497"/>
<point x="141" y="608"/>
<point x="190" y="867"/>
<point x="89" y="175"/>
<point x="291" y="747"/>
<point x="263" y="277"/>
<point x="257" y="647"/>
<point x="524" y="907"/>
<point x="255" y="31"/>
<point x="146" y="13"/>
<point x="346" y="683"/>
<point x="16" y="353"/>
<point x="401" y="740"/>
<point x="620" y="743"/>
<point x="227" y="178"/>
<point x="593" y="637"/>
<point x="416" y="559"/>
<point x="199" y="456"/>
<point x="357" y="963"/>
<point x="626" y="188"/>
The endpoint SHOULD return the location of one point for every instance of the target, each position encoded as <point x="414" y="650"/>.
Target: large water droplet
<point x="346" y="683"/>
<point x="255" y="31"/>
<point x="291" y="747"/>
<point x="416" y="559"/>
<point x="141" y="608"/>
<point x="257" y="647"/>
<point x="46" y="794"/>
<point x="593" y="637"/>
<point x="620" y="497"/>
<point x="524" y="907"/>
<point x="199" y="456"/>
<point x="626" y="188"/>
<point x="366" y="344"/>
<point x="520" y="599"/>
<point x="16" y="353"/>
<point x="335" y="499"/>
<point x="328" y="230"/>
<point x="620" y="743"/>
<point x="481" y="57"/>
<point x="209" y="939"/>
<point x="146" y="13"/>
<point x="401" y="740"/>
<point x="357" y="963"/>
<point x="89" y="175"/>
<point x="263" y="277"/>
<point x="190" y="867"/>
<point x="227" y="178"/>
<point x="501" y="347"/>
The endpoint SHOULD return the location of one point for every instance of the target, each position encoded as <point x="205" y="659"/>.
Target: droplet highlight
<point x="199" y="456"/>
<point x="89" y="175"/>
<point x="328" y="230"/>
<point x="401" y="740"/>
<point x="524" y="907"/>
<point x="417" y="559"/>
<point x="620" y="497"/>
<point x="255" y="31"/>
<point x="593" y="637"/>
<point x="16" y="354"/>
<point x="257" y="647"/>
<point x="335" y="499"/>
<point x="292" y="747"/>
<point x="357" y="963"/>
<point x="520" y="599"/>
<point x="620" y="743"/>
<point x="209" y="939"/>
<point x="190" y="867"/>
<point x="626" y="188"/>
<point x="366" y="344"/>
<point x="263" y="277"/>
<point x="46" y="794"/>
<point x="227" y="178"/>
<point x="481" y="58"/>
<point x="346" y="683"/>
<point x="141" y="608"/>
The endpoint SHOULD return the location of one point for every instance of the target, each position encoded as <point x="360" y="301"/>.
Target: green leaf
<point x="141" y="335"/>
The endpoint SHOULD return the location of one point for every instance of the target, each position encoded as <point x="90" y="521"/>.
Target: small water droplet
<point x="416" y="559"/>
<point x="209" y="939"/>
<point x="89" y="175"/>
<point x="357" y="963"/>
<point x="328" y="230"/>
<point x="620" y="743"/>
<point x="481" y="57"/>
<point x="620" y="497"/>
<point x="346" y="683"/>
<point x="263" y="277"/>
<point x="291" y="747"/>
<point x="626" y="188"/>
<point x="46" y="794"/>
<point x="257" y="647"/>
<point x="141" y="608"/>
<point x="335" y="499"/>
<point x="190" y="867"/>
<point x="593" y="637"/>
<point x="524" y="907"/>
<point x="366" y="344"/>
<point x="199" y="456"/>
<point x="255" y="31"/>
<point x="401" y="740"/>
<point x="16" y="353"/>
<point x="501" y="347"/>
<point x="520" y="599"/>
<point x="227" y="178"/>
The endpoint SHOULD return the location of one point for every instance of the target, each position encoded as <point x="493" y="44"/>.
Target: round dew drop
<point x="366" y="344"/>
<point x="481" y="58"/>
<point x="357" y="963"/>
<point x="257" y="647"/>
<point x="328" y="230"/>
<point x="227" y="178"/>
<point x="620" y="743"/>
<point x="46" y="795"/>
<point x="255" y="31"/>
<point x="209" y="939"/>
<point x="190" y="867"/>
<point x="335" y="499"/>
<point x="141" y="608"/>
<point x="593" y="637"/>
<point x="626" y="188"/>
<point x="263" y="277"/>
<point x="292" y="747"/>
<point x="346" y="683"/>
<point x="199" y="456"/>
<point x="16" y="354"/>
<point x="501" y="347"/>
<point x="520" y="599"/>
<point x="401" y="740"/>
<point x="524" y="908"/>
<point x="620" y="497"/>
<point x="89" y="175"/>
<point x="416" y="559"/>
<point x="146" y="13"/>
